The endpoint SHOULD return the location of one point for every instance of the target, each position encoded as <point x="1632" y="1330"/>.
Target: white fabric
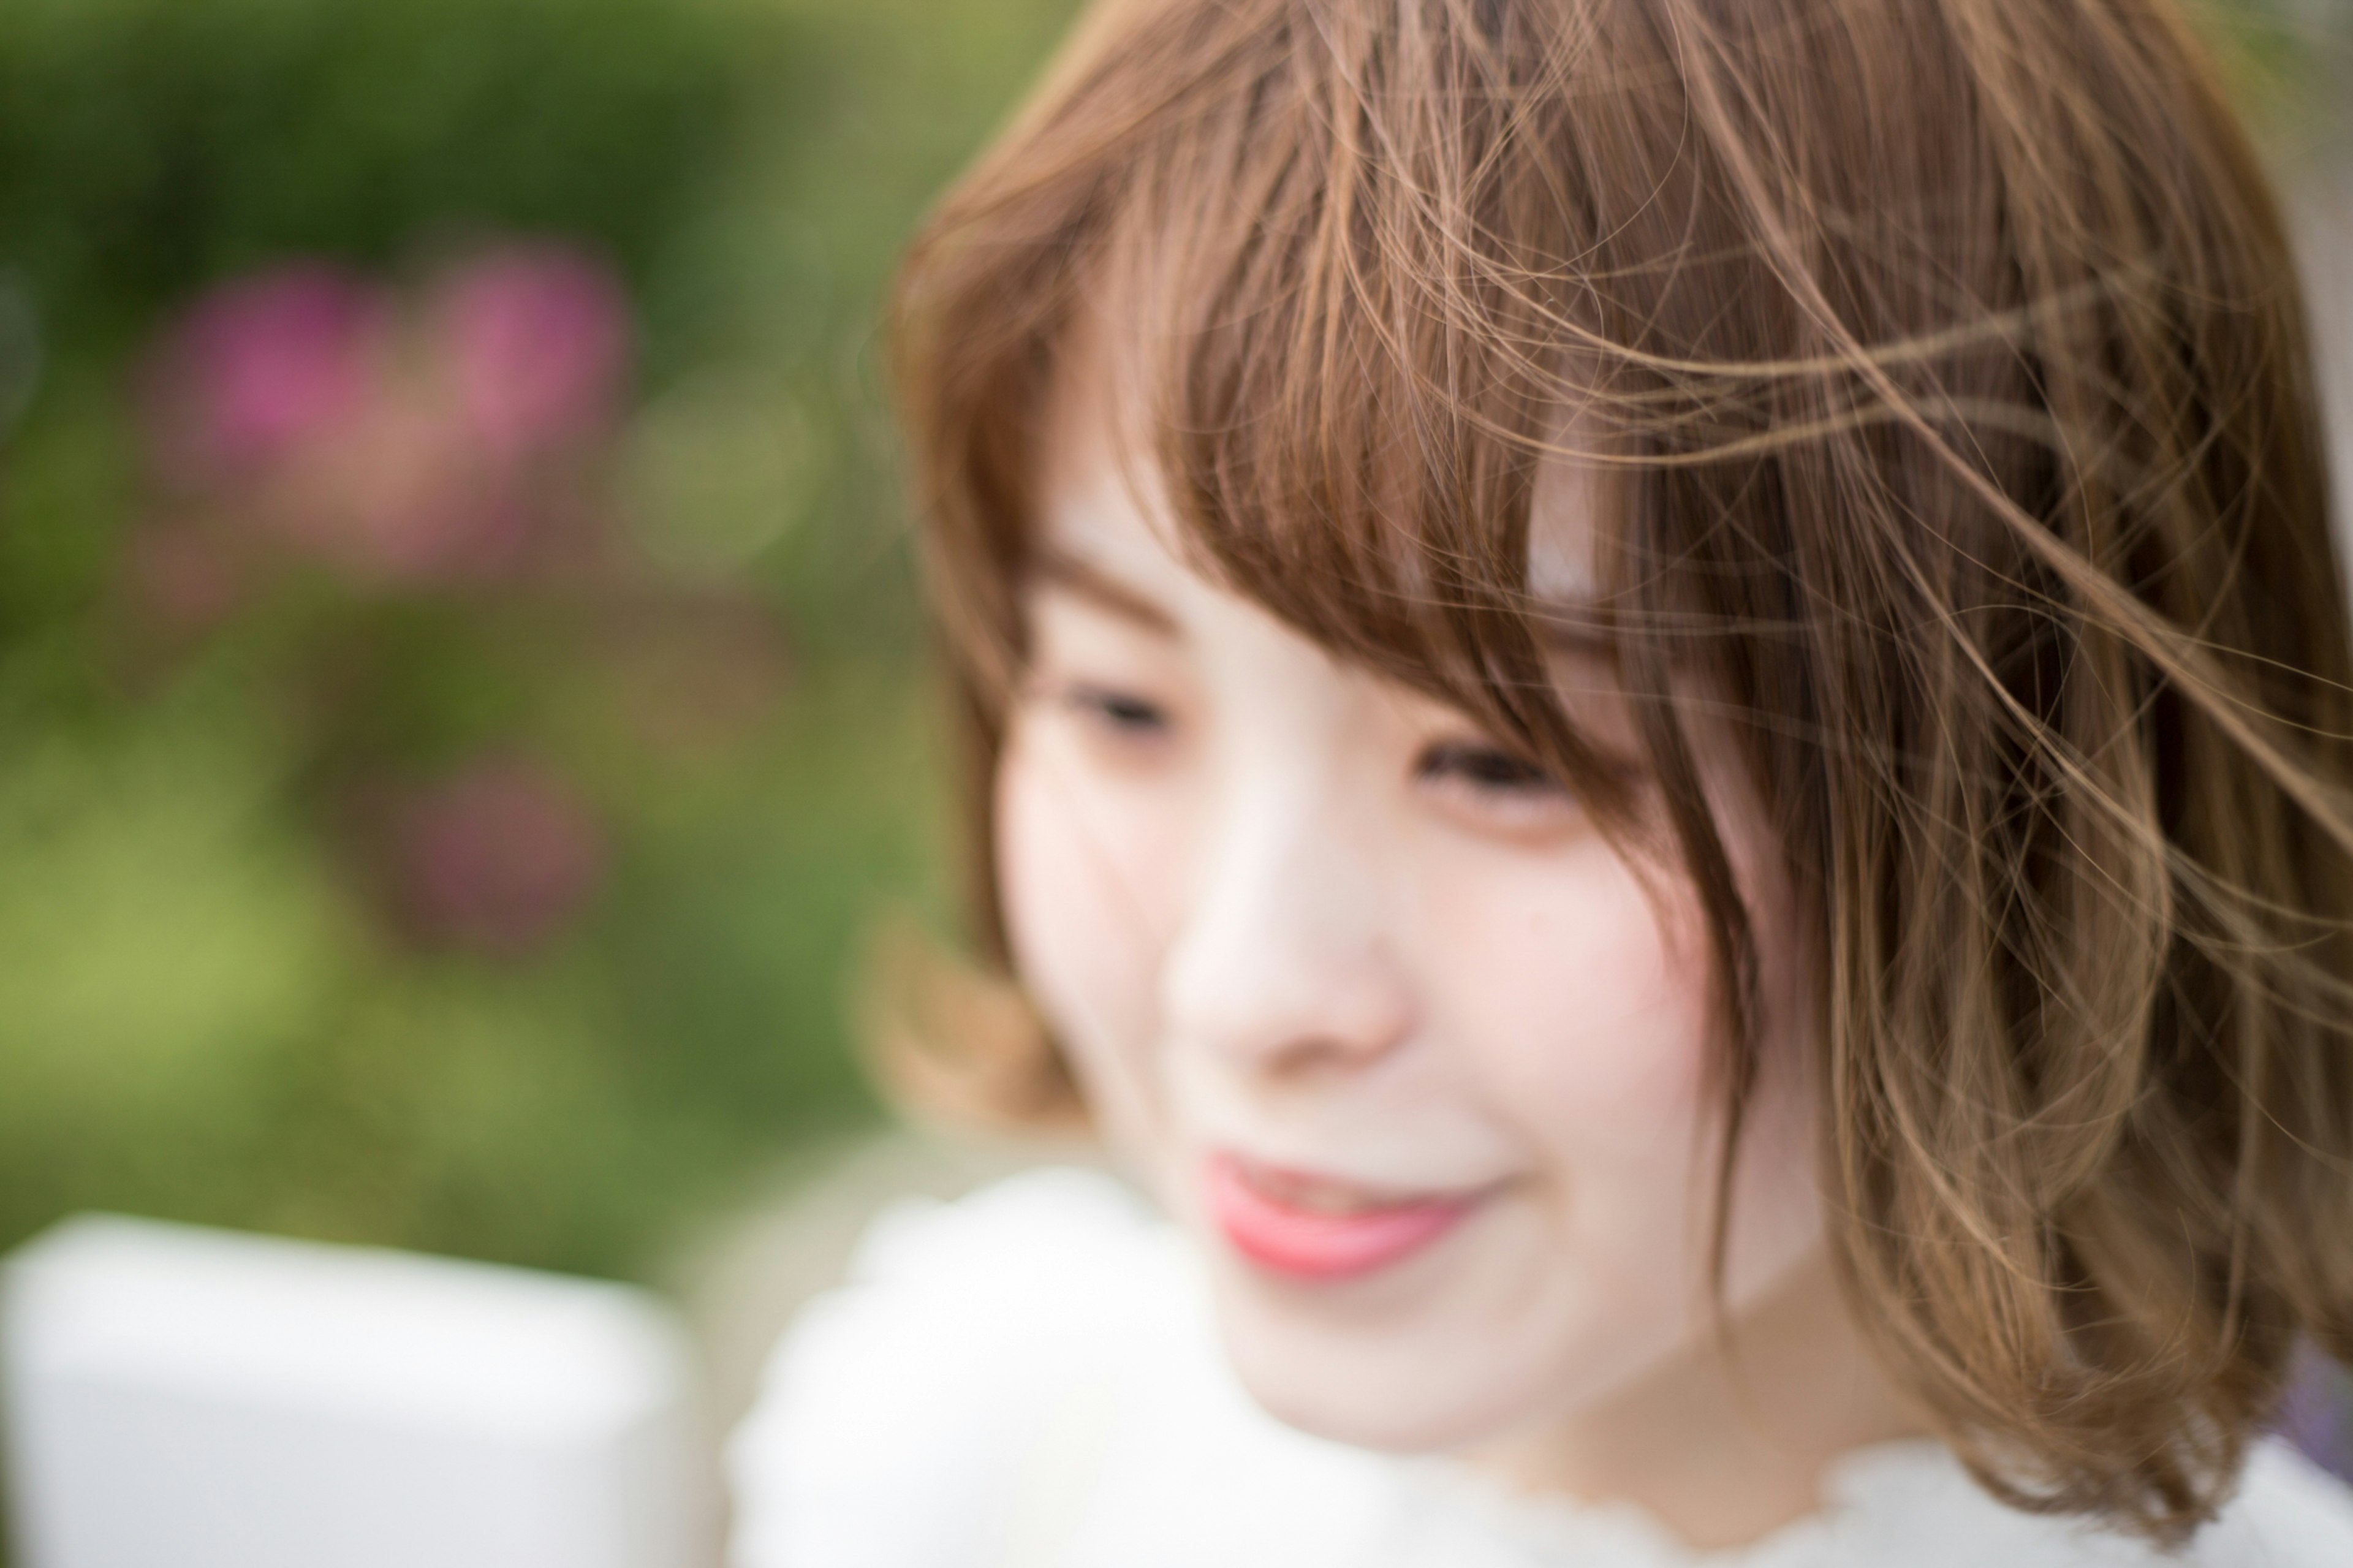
<point x="1029" y="1379"/>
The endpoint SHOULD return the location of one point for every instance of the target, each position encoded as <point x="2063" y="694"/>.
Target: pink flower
<point x="262" y="366"/>
<point x="538" y="343"/>
<point x="400" y="496"/>
<point x="306" y="412"/>
<point x="496" y="858"/>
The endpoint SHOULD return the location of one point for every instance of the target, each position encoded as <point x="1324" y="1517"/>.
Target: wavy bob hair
<point x="1948" y="359"/>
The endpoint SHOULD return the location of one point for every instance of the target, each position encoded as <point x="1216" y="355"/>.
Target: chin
<point x="1383" y="1391"/>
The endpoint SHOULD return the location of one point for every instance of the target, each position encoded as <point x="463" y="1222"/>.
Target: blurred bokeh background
<point x="458" y="671"/>
<point x="461" y="696"/>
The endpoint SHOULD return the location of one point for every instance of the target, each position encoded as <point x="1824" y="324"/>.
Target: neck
<point x="1724" y="1452"/>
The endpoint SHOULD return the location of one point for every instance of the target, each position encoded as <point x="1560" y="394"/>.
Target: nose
<point x="1285" y="967"/>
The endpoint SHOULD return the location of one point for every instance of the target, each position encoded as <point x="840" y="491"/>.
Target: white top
<point x="1029" y="1378"/>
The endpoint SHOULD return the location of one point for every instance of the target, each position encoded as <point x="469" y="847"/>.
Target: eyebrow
<point x="1087" y="581"/>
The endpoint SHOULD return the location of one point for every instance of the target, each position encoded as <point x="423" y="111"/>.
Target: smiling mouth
<point x="1313" y="1228"/>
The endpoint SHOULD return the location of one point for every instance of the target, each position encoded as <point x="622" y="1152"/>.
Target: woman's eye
<point x="1487" y="769"/>
<point x="1121" y="711"/>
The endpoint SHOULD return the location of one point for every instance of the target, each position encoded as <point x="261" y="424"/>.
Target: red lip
<point x="1321" y="1243"/>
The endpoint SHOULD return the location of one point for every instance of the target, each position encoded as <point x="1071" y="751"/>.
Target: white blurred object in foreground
<point x="185" y="1398"/>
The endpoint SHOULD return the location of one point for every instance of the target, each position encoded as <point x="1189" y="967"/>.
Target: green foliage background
<point x="200" y="1014"/>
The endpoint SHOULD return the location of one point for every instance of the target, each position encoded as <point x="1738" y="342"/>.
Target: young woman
<point x="1659" y="715"/>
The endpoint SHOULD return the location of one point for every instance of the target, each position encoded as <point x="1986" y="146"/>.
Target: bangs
<point x="1352" y="367"/>
<point x="1369" y="269"/>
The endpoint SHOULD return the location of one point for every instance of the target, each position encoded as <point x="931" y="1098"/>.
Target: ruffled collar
<point x="1873" y="1492"/>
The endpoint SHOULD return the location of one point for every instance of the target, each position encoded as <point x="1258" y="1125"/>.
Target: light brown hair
<point x="1949" y="361"/>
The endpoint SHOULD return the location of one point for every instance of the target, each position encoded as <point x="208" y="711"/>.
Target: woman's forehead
<point x="1564" y="521"/>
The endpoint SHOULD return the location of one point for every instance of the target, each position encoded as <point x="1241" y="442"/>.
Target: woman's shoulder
<point x="1914" y="1503"/>
<point x="2289" y="1513"/>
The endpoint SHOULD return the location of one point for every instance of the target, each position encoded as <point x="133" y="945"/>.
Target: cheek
<point x="1087" y="875"/>
<point x="1587" y="1012"/>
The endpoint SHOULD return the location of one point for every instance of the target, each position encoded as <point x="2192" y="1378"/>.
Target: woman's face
<point x="1418" y="1057"/>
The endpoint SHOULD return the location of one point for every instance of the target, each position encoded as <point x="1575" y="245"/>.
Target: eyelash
<point x="1121" y="711"/>
<point x="1487" y="769"/>
<point x="1483" y="770"/>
